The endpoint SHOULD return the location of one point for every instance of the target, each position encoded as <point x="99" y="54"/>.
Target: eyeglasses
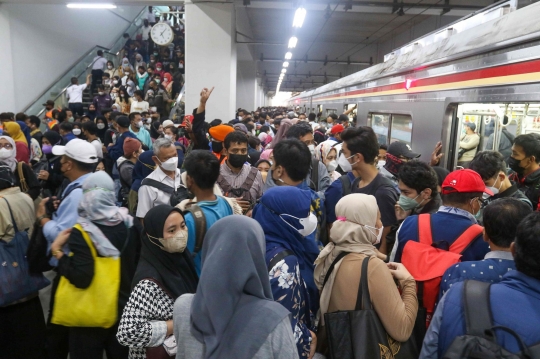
<point x="7" y="146"/>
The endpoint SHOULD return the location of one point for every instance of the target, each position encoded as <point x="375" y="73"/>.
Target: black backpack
<point x="177" y="195"/>
<point x="314" y="177"/>
<point x="480" y="341"/>
<point x="200" y="226"/>
<point x="346" y="185"/>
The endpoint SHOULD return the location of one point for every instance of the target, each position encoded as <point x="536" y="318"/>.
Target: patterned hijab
<point x="10" y="161"/>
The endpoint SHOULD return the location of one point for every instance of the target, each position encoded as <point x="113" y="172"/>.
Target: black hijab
<point x="174" y="271"/>
<point x="101" y="133"/>
<point x="54" y="139"/>
<point x="233" y="311"/>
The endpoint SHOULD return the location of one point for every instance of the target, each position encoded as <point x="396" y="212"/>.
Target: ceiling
<point x="339" y="37"/>
<point x="334" y="42"/>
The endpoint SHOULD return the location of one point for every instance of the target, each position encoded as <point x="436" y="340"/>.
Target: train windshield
<point x="482" y="127"/>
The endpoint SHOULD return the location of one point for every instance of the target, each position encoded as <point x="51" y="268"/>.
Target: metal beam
<point x="310" y="61"/>
<point x="385" y="4"/>
<point x="277" y="74"/>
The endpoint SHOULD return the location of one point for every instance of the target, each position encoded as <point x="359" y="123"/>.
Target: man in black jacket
<point x="491" y="167"/>
<point x="197" y="130"/>
<point x="524" y="162"/>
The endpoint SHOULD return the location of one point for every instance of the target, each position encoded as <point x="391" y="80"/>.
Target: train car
<point x="484" y="69"/>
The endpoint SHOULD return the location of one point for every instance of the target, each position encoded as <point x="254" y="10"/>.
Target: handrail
<point x="105" y="50"/>
<point x="92" y="50"/>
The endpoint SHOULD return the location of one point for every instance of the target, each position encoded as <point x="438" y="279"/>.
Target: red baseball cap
<point x="464" y="181"/>
<point x="337" y="129"/>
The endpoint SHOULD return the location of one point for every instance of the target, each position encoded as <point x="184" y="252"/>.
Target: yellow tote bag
<point x="95" y="306"/>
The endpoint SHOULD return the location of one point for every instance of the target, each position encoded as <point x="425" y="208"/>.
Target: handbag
<point x="96" y="305"/>
<point x="16" y="280"/>
<point x="359" y="333"/>
<point x="168" y="349"/>
<point x="36" y="253"/>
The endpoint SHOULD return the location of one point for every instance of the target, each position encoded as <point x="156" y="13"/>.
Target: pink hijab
<point x="280" y="135"/>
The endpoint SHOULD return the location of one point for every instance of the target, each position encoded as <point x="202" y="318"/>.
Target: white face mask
<point x="180" y="66"/>
<point x="331" y="166"/>
<point x="168" y="137"/>
<point x="344" y="163"/>
<point x="76" y="131"/>
<point x="175" y="244"/>
<point x="5" y="153"/>
<point x="115" y="82"/>
<point x="139" y="124"/>
<point x="494" y="189"/>
<point x="101" y="126"/>
<point x="381" y="164"/>
<point x="377" y="236"/>
<point x="158" y="68"/>
<point x="309" y="223"/>
<point x="101" y="93"/>
<point x="312" y="150"/>
<point x="109" y="67"/>
<point x="170" y="164"/>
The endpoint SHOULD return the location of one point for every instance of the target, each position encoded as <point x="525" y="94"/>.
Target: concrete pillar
<point x="7" y="90"/>
<point x="246" y="85"/>
<point x="211" y="58"/>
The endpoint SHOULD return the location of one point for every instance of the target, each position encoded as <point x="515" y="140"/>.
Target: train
<point x="484" y="69"/>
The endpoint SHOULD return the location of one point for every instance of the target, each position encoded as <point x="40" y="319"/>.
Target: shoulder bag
<point x="95" y="306"/>
<point x="16" y="280"/>
<point x="359" y="333"/>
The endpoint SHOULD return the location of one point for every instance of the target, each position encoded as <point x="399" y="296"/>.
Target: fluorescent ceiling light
<point x="299" y="17"/>
<point x="286" y="64"/>
<point x="91" y="6"/>
<point x="288" y="55"/>
<point x="283" y="71"/>
<point x="292" y="42"/>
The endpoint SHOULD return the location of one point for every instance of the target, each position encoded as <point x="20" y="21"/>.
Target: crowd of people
<point x="178" y="237"/>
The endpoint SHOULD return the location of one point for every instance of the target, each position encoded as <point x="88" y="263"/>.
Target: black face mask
<point x="514" y="166"/>
<point x="217" y="147"/>
<point x="237" y="161"/>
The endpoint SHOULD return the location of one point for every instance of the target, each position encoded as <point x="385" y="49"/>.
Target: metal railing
<point x="80" y="68"/>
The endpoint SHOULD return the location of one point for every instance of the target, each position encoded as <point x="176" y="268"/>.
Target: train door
<point x="483" y="127"/>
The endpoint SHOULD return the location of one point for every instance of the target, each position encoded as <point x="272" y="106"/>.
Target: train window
<point x="330" y="111"/>
<point x="495" y="127"/>
<point x="401" y="129"/>
<point x="380" y="124"/>
<point x="350" y="107"/>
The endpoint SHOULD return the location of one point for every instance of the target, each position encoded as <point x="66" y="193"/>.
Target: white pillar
<point x="246" y="85"/>
<point x="211" y="58"/>
<point x="7" y="90"/>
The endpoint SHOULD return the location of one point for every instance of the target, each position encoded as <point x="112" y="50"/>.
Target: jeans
<point x="76" y="108"/>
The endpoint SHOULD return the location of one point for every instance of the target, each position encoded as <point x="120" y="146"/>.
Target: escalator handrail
<point x="94" y="49"/>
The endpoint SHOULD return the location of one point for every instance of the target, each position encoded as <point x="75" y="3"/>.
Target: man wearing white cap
<point x="78" y="161"/>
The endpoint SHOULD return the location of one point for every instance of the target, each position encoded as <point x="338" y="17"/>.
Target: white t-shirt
<point x="98" y="146"/>
<point x="99" y="63"/>
<point x="145" y="32"/>
<point x="74" y="93"/>
<point x="151" y="17"/>
<point x="137" y="106"/>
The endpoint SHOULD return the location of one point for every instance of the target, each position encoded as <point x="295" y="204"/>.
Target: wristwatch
<point x="38" y="220"/>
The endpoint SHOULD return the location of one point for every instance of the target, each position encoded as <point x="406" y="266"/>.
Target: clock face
<point x="162" y="34"/>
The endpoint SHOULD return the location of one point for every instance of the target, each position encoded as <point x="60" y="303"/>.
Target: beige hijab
<point x="348" y="234"/>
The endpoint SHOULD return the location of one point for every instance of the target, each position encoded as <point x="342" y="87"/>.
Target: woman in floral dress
<point x="284" y="215"/>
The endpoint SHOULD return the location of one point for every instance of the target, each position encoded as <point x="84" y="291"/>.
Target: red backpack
<point x="427" y="264"/>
